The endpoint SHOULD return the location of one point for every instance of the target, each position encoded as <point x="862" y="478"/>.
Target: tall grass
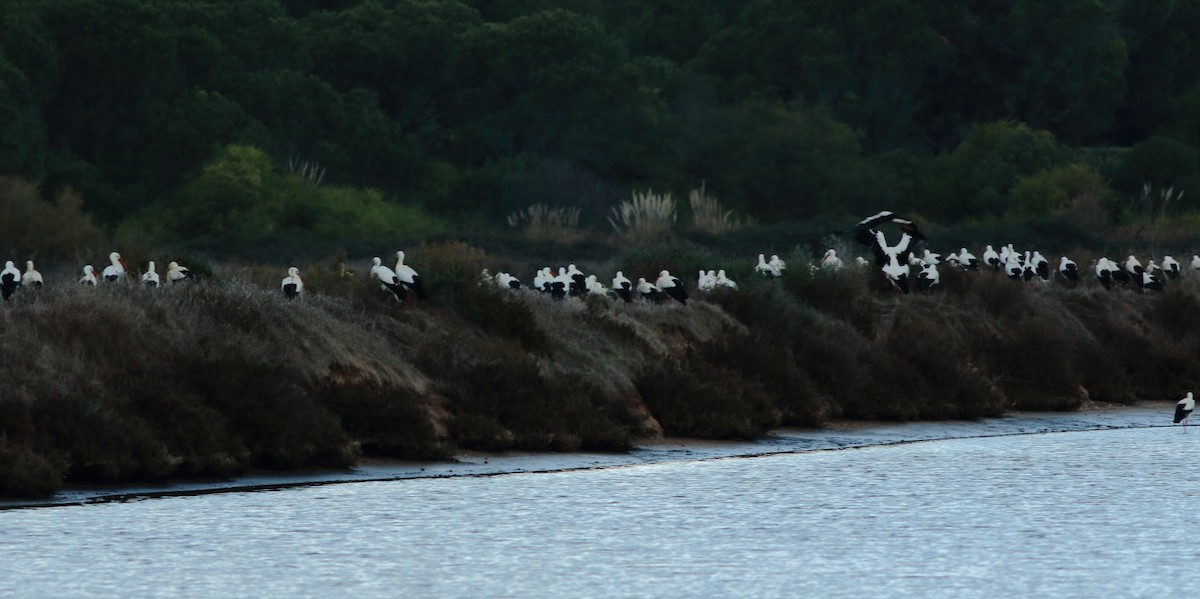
<point x="542" y="222"/>
<point x="709" y="216"/>
<point x="644" y="217"/>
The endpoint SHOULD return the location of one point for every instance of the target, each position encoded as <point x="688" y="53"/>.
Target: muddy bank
<point x="839" y="435"/>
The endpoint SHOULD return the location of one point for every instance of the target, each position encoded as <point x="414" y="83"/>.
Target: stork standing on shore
<point x="1184" y="408"/>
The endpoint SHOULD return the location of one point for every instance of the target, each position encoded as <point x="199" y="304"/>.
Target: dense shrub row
<point x="121" y="383"/>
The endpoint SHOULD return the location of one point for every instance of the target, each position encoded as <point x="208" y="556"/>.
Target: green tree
<point x="975" y="179"/>
<point x="1162" y="59"/>
<point x="22" y="140"/>
<point x="552" y="84"/>
<point x="1072" y="188"/>
<point x="785" y="161"/>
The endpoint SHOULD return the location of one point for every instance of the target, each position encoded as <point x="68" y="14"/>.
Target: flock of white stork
<point x="898" y="261"/>
<point x="12" y="279"/>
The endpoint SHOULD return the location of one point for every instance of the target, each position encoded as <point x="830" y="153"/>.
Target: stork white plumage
<point x="648" y="291"/>
<point x="894" y="260"/>
<point x="32" y="277"/>
<point x="177" y="273"/>
<point x="1041" y="266"/>
<point x="1195" y="262"/>
<point x="409" y="277"/>
<point x="991" y="258"/>
<point x="1104" y="270"/>
<point x="765" y="269"/>
<point x="577" y="284"/>
<point x="1133" y="266"/>
<point x="1171" y="267"/>
<point x="1012" y="266"/>
<point x="724" y="281"/>
<point x="928" y="277"/>
<point x="10" y="280"/>
<point x="560" y="284"/>
<point x="506" y="280"/>
<point x="1068" y="269"/>
<point x="387" y="279"/>
<point x="968" y="260"/>
<point x="115" y="271"/>
<point x="672" y="286"/>
<point x="706" y="281"/>
<point x="541" y="279"/>
<point x="292" y="285"/>
<point x="623" y="287"/>
<point x="777" y="264"/>
<point x="595" y="287"/>
<point x="1184" y="408"/>
<point x="150" y="277"/>
<point x="831" y="260"/>
<point x="89" y="276"/>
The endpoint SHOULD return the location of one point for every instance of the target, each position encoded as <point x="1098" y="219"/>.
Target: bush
<point x="33" y="227"/>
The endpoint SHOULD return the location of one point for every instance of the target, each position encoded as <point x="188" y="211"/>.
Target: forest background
<point x="243" y="124"/>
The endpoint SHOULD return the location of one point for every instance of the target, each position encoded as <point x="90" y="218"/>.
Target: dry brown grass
<point x="541" y="222"/>
<point x="709" y="216"/>
<point x="646" y="216"/>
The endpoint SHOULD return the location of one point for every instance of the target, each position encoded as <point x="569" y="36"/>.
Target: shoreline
<point x="836" y="435"/>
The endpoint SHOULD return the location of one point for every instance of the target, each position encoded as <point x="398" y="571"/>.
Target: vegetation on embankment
<point x="124" y="383"/>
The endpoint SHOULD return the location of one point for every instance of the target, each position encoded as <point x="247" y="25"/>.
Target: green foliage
<point x="1073" y="188"/>
<point x="240" y="194"/>
<point x="1162" y="162"/>
<point x="976" y="178"/>
<point x="32" y="226"/>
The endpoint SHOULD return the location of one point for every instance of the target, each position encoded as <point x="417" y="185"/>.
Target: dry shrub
<point x="693" y="397"/>
<point x="709" y="216"/>
<point x="645" y="217"/>
<point x="30" y="225"/>
<point x="448" y="268"/>
<point x="542" y="222"/>
<point x="385" y="420"/>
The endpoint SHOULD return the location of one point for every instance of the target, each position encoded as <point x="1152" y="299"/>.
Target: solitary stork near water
<point x="1184" y="408"/>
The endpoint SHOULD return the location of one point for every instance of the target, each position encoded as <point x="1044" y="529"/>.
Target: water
<point x="1086" y="513"/>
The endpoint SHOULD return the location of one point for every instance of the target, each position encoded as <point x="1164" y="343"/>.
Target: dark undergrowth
<point x="120" y="383"/>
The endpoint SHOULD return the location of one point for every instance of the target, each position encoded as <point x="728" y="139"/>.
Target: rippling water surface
<point x="1107" y="513"/>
